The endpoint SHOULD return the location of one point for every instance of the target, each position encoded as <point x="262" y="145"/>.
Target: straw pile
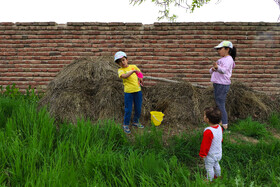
<point x="90" y="88"/>
<point x="86" y="88"/>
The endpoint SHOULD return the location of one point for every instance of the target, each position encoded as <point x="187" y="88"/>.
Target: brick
<point x="41" y="49"/>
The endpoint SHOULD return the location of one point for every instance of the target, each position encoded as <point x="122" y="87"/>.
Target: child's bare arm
<point x="124" y="76"/>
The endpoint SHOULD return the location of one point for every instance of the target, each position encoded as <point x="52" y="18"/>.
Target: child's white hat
<point x="224" y="44"/>
<point x="119" y="55"/>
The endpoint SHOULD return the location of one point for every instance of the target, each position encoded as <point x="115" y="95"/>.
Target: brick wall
<point x="33" y="53"/>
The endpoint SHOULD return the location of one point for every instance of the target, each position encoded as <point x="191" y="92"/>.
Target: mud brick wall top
<point x="33" y="53"/>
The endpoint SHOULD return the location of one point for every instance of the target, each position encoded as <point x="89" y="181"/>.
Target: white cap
<point x="119" y="55"/>
<point x="224" y="44"/>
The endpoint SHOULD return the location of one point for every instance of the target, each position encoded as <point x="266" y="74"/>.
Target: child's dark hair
<point x="213" y="114"/>
<point x="118" y="61"/>
<point x="232" y="52"/>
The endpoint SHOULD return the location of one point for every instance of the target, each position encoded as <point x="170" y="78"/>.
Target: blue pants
<point x="220" y="94"/>
<point x="130" y="99"/>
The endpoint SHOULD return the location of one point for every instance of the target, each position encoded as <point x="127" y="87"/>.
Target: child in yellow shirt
<point x="132" y="90"/>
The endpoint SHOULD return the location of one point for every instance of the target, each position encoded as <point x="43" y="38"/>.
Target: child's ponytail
<point x="232" y="52"/>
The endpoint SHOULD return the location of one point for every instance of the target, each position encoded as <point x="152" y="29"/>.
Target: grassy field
<point x="35" y="153"/>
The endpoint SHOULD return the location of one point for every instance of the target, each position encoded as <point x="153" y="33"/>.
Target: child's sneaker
<point x="138" y="125"/>
<point x="126" y="129"/>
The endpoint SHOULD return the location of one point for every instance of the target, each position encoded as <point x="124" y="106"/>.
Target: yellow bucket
<point x="156" y="117"/>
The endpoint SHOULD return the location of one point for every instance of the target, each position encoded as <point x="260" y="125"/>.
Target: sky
<point x="63" y="11"/>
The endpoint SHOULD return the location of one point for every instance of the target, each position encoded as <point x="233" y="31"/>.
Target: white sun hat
<point x="224" y="44"/>
<point x="119" y="55"/>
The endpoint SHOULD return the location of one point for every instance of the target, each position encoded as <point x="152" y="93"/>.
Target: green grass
<point x="274" y="121"/>
<point x="33" y="152"/>
<point x="251" y="128"/>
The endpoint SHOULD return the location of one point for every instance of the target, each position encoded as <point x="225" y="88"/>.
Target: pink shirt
<point x="223" y="73"/>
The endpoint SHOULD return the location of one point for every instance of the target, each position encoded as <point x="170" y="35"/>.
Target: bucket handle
<point x="156" y="118"/>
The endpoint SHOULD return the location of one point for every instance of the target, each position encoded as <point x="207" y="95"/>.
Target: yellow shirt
<point x="131" y="83"/>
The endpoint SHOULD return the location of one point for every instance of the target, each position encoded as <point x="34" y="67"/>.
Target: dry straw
<point x="90" y="88"/>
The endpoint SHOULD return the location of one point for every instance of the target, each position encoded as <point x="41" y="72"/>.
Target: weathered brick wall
<point x="33" y="53"/>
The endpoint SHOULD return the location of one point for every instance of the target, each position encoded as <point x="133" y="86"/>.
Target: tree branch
<point x="166" y="4"/>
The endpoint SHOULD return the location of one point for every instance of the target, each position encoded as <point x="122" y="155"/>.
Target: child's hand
<point x="215" y="66"/>
<point x="141" y="81"/>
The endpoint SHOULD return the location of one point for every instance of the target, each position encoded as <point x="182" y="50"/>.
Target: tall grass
<point x="251" y="128"/>
<point x="274" y="121"/>
<point x="33" y="152"/>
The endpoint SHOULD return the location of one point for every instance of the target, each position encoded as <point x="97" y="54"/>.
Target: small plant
<point x="11" y="91"/>
<point x="274" y="121"/>
<point x="31" y="95"/>
<point x="251" y="128"/>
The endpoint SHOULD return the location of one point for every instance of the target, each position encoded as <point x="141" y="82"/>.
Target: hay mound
<point x="86" y="88"/>
<point x="178" y="101"/>
<point x="90" y="88"/>
<point x="243" y="101"/>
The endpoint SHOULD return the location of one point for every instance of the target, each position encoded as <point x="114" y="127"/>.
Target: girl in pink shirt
<point x="221" y="72"/>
